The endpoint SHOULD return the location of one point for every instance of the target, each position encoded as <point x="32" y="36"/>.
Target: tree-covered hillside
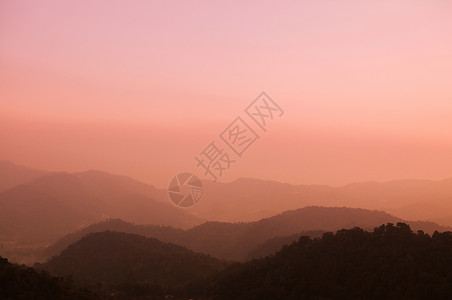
<point x="21" y="282"/>
<point x="391" y="262"/>
<point x="115" y="257"/>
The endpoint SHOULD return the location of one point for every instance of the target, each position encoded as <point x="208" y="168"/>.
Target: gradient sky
<point x="142" y="87"/>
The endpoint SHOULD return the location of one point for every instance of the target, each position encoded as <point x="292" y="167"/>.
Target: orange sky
<point x="140" y="88"/>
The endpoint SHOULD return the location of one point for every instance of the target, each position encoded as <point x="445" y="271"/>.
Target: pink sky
<point x="141" y="87"/>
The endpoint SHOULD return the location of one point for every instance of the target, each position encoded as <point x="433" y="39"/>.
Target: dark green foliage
<point x="390" y="263"/>
<point x="21" y="282"/>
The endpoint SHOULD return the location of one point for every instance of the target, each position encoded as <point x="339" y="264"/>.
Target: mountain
<point x="408" y="199"/>
<point x="54" y="204"/>
<point x="248" y="199"/>
<point x="12" y="175"/>
<point x="238" y="241"/>
<point x="20" y="282"/>
<point x="59" y="203"/>
<point x="275" y="244"/>
<point x="164" y="233"/>
<point x="115" y="257"/>
<point x="391" y="262"/>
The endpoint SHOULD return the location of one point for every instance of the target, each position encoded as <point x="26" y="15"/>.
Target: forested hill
<point x="116" y="257"/>
<point x="391" y="262"/>
<point x="21" y="282"/>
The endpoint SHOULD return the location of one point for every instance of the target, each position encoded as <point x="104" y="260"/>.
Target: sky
<point x="141" y="88"/>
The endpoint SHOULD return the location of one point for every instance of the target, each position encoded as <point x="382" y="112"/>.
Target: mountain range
<point x="42" y="207"/>
<point x="242" y="241"/>
<point x="388" y="262"/>
<point x="279" y="234"/>
<point x="50" y="206"/>
<point x="248" y="199"/>
<point x="12" y="175"/>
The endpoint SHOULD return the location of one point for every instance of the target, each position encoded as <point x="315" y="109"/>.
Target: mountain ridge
<point x="235" y="241"/>
<point x="59" y="202"/>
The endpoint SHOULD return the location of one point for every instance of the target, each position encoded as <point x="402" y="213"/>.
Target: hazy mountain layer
<point x="59" y="203"/>
<point x="238" y="241"/>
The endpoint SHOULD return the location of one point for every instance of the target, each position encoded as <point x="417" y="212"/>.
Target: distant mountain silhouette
<point x="55" y="204"/>
<point x="248" y="199"/>
<point x="238" y="241"/>
<point x="116" y="256"/>
<point x="12" y="175"/>
<point x="59" y="203"/>
<point x="408" y="199"/>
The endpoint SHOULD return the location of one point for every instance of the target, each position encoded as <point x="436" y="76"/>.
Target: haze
<point x="142" y="89"/>
<point x="225" y="149"/>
